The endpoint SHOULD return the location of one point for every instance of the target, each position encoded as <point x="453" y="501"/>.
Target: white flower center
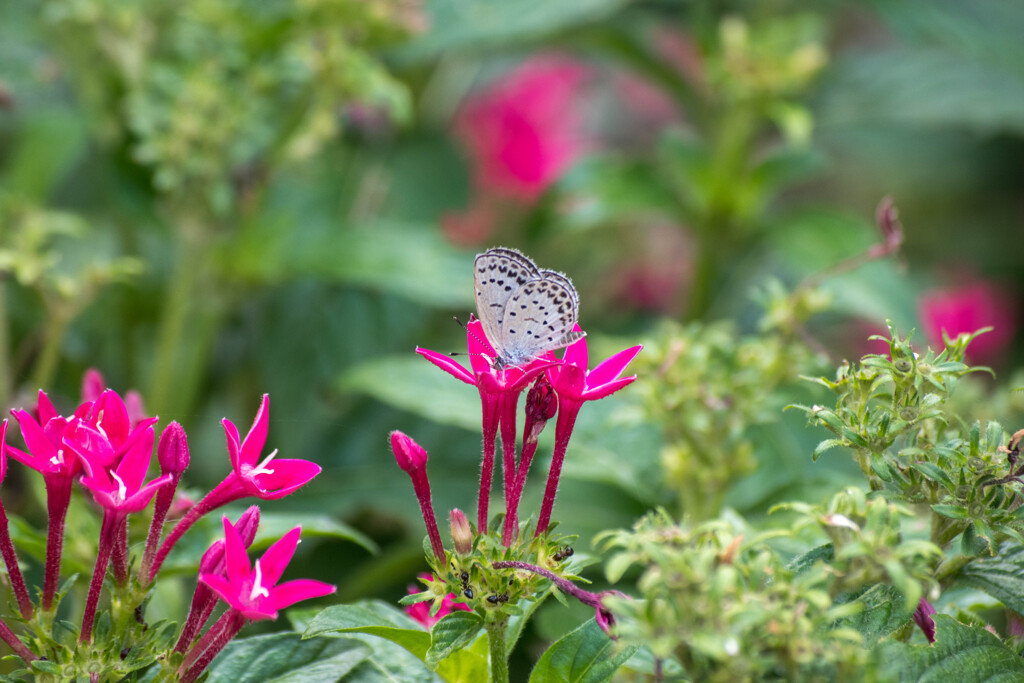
<point x="262" y="467"/>
<point x="258" y="591"/>
<point x="122" y="490"/>
<point x="58" y="459"/>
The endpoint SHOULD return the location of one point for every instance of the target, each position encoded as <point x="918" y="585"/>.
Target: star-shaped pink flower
<point x="122" y="488"/>
<point x="252" y="590"/>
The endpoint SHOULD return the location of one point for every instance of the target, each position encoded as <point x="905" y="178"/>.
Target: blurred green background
<point x="207" y="200"/>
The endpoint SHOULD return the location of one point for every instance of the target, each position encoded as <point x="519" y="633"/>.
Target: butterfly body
<point x="525" y="311"/>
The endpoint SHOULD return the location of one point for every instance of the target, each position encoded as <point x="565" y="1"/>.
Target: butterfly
<point x="525" y="311"/>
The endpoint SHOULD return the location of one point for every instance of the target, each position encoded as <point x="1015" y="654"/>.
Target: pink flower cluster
<point x="559" y="387"/>
<point x="107" y="445"/>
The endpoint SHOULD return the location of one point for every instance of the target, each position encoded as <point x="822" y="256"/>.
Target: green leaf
<point x="452" y="633"/>
<point x="967" y="654"/>
<point x="823" y="553"/>
<point x="284" y="657"/>
<point x="999" y="576"/>
<point x="884" y="612"/>
<point x="586" y="655"/>
<point x="478" y="24"/>
<point x="951" y="511"/>
<point x="414" y="384"/>
<point x="275" y="525"/>
<point x="934" y="473"/>
<point x="825" y="445"/>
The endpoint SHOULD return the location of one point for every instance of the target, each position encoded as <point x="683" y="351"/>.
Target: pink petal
<point x="568" y="380"/>
<point x="276" y="559"/>
<point x="236" y="561"/>
<point x="225" y="590"/>
<point x="611" y="368"/>
<point x="140" y="499"/>
<point x="134" y="465"/>
<point x="231" y="432"/>
<point x="479" y="346"/>
<point x="92" y="385"/>
<point x="576" y="353"/>
<point x="40" y="446"/>
<point x="114" y="418"/>
<point x="448" y="365"/>
<point x="252" y="447"/>
<point x="89" y="444"/>
<point x="45" y="409"/>
<point x="607" y="389"/>
<point x="292" y="592"/>
<point x="3" y="450"/>
<point x="288" y="476"/>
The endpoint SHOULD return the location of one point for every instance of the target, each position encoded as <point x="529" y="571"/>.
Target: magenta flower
<point x="106" y="433"/>
<point x="48" y="455"/>
<point x="499" y="392"/>
<point x="121" y="489"/>
<point x="252" y="590"/>
<point x="421" y="610"/>
<point x="966" y="309"/>
<point x="413" y="460"/>
<point x="923" y="618"/>
<point x="267" y="479"/>
<point x="575" y="385"/>
<point x="523" y="131"/>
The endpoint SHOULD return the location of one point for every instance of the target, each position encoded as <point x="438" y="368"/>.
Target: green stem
<point x="53" y="336"/>
<point x="951" y="566"/>
<point x="496" y="638"/>
<point x="6" y="382"/>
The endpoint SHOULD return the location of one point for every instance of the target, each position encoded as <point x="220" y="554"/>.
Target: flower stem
<point x="489" y="405"/>
<point x="512" y="507"/>
<point x="20" y="649"/>
<point x="509" y="401"/>
<point x="567" y="412"/>
<point x="220" y="495"/>
<point x="108" y="531"/>
<point x="422" y="487"/>
<point x="199" y="612"/>
<point x="119" y="553"/>
<point x="210" y="645"/>
<point x="164" y="499"/>
<point x="13" y="570"/>
<point x="497" y="640"/>
<point x="58" y="497"/>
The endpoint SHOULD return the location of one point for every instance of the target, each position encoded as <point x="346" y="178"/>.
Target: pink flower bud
<point x="409" y="454"/>
<point x="247" y="525"/>
<point x="133" y="404"/>
<point x="172" y="453"/>
<point x="541" y="406"/>
<point x="462" y="534"/>
<point x="93" y="385"/>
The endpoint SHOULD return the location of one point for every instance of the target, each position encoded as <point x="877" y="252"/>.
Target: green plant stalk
<point x="53" y="336"/>
<point x="498" y="644"/>
<point x="6" y="381"/>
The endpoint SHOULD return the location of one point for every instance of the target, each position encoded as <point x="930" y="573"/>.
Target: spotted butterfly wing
<point x="524" y="311"/>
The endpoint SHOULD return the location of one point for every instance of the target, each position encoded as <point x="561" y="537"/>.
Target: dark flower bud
<point x="541" y="406"/>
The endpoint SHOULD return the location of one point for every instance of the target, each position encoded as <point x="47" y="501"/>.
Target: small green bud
<point x="908" y="414"/>
<point x="903" y="365"/>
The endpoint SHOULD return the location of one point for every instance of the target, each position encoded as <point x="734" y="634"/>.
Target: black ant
<point x="563" y="554"/>
<point x="468" y="592"/>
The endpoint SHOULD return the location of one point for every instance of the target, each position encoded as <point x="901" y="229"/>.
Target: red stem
<point x="489" y="406"/>
<point x="13" y="570"/>
<point x="197" y="616"/>
<point x="512" y="511"/>
<point x="111" y="522"/>
<point x="58" y="497"/>
<point x="221" y="494"/>
<point x="20" y="649"/>
<point x="210" y="645"/>
<point x="119" y="554"/>
<point x="567" y="412"/>
<point x="164" y="499"/>
<point x="422" y="487"/>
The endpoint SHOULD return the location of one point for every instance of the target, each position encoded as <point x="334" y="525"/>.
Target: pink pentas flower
<point x="264" y="478"/>
<point x="523" y="131"/>
<point x="421" y="610"/>
<point x="123" y="488"/>
<point x="252" y="589"/>
<point x="574" y="384"/>
<point x="44" y="439"/>
<point x="966" y="309"/>
<point x="105" y="434"/>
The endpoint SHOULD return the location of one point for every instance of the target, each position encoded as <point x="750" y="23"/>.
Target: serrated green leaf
<point x="825" y="445"/>
<point x="452" y="633"/>
<point x="585" y="655"/>
<point x="884" y="612"/>
<point x="999" y="576"/>
<point x="967" y="654"/>
<point x="934" y="473"/>
<point x="286" y="657"/>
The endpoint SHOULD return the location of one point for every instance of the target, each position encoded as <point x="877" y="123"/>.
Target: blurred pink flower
<point x="966" y="309"/>
<point x="523" y="131"/>
<point x="421" y="610"/>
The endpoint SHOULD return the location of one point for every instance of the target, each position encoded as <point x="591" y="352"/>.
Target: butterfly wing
<point x="539" y="317"/>
<point x="498" y="273"/>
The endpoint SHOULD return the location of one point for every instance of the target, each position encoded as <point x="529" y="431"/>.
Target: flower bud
<point x="93" y="385"/>
<point x="409" y="454"/>
<point x="541" y="406"/>
<point x="172" y="452"/>
<point x="889" y="224"/>
<point x="247" y="524"/>
<point x="462" y="534"/>
<point x="133" y="404"/>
